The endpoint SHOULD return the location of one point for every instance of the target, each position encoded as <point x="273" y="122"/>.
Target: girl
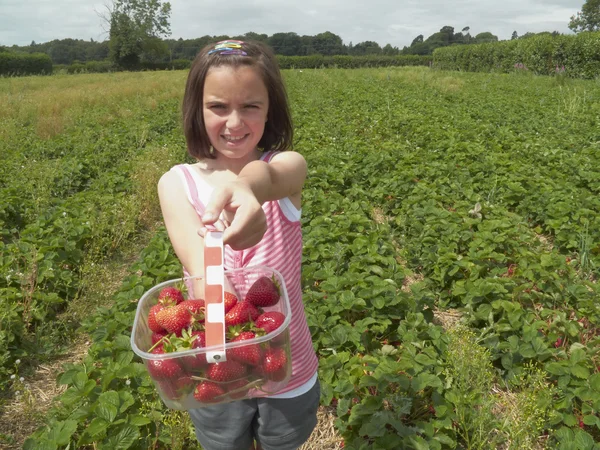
<point x="237" y="125"/>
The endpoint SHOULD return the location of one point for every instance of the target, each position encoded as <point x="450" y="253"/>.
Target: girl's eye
<point x="252" y="106"/>
<point x="216" y="106"/>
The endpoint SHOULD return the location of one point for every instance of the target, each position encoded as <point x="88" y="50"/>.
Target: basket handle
<point x="214" y="277"/>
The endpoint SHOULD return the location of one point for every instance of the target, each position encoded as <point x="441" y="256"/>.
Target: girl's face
<point x="235" y="107"/>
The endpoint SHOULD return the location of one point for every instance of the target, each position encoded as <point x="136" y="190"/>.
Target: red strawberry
<point x="236" y="389"/>
<point x="270" y="321"/>
<point x="226" y="371"/>
<point x="152" y="324"/>
<point x="230" y="301"/>
<point x="275" y="364"/>
<point x="170" y="296"/>
<point x="188" y="341"/>
<point x="164" y="369"/>
<point x="195" y="306"/>
<point x="249" y="354"/>
<point x="264" y="292"/>
<point x="198" y="341"/>
<point x="174" y="318"/>
<point x="157" y="337"/>
<point x="176" y="388"/>
<point x="206" y="392"/>
<point x="242" y="312"/>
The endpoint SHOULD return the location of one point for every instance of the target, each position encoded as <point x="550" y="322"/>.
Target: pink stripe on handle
<point x="213" y="296"/>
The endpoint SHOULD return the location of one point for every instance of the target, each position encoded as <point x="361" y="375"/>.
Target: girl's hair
<point x="278" y="129"/>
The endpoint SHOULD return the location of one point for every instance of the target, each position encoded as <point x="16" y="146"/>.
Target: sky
<point x="383" y="21"/>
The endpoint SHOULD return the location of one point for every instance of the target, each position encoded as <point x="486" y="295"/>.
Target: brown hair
<point x="278" y="129"/>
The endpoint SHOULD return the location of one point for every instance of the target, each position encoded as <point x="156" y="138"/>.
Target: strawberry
<point x="176" y="388"/>
<point x="236" y="389"/>
<point x="270" y="321"/>
<point x="174" y="318"/>
<point x="250" y="354"/>
<point x="163" y="369"/>
<point x="226" y="371"/>
<point x="242" y="312"/>
<point x="275" y="364"/>
<point x="170" y="296"/>
<point x="187" y="341"/>
<point x="198" y="341"/>
<point x="230" y="301"/>
<point x="157" y="337"/>
<point x="264" y="292"/>
<point x="196" y="306"/>
<point x="206" y="392"/>
<point x="152" y="324"/>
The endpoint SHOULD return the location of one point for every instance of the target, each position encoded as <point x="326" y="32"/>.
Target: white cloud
<point x="383" y="21"/>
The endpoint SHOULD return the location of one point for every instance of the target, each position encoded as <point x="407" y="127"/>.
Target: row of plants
<point x="67" y="203"/>
<point x="285" y="62"/>
<point x="414" y="174"/>
<point x="15" y="64"/>
<point x="576" y="55"/>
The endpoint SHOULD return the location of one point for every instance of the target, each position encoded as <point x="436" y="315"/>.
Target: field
<point x="451" y="256"/>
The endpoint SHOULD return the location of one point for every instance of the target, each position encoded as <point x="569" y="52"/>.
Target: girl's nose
<point x="234" y="121"/>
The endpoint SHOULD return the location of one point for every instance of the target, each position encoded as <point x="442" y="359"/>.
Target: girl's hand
<point x="244" y="221"/>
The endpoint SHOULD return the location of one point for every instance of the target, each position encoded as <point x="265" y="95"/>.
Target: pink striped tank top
<point x="281" y="249"/>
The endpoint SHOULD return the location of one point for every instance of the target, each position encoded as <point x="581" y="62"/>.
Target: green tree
<point x="366" y="48"/>
<point x="514" y="36"/>
<point x="390" y="51"/>
<point x="328" y="43"/>
<point x="484" y="37"/>
<point x="135" y="30"/>
<point x="288" y="44"/>
<point x="588" y="19"/>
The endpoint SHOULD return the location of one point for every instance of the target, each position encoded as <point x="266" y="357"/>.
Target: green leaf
<point x="595" y="382"/>
<point x="125" y="437"/>
<point x="138" y="420"/>
<point x="583" y="441"/>
<point x="372" y="428"/>
<point x="424" y="380"/>
<point x="61" y="432"/>
<point x="80" y="380"/>
<point x="378" y="302"/>
<point x="108" y="405"/>
<point x="556" y="368"/>
<point x="97" y="427"/>
<point x="39" y="444"/>
<point x="580" y="371"/>
<point x="339" y="334"/>
<point x="591" y="419"/>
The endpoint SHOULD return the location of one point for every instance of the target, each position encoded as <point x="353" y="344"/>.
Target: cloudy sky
<point x="383" y="21"/>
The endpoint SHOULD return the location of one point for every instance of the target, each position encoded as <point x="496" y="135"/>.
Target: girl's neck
<point x="234" y="165"/>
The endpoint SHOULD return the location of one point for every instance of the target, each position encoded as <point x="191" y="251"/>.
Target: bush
<point x="25" y="64"/>
<point x="351" y="62"/>
<point x="541" y="54"/>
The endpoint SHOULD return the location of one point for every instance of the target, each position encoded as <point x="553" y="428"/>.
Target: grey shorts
<point x="276" y="424"/>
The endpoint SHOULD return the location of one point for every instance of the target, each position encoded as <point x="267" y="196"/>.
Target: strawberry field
<point x="431" y="195"/>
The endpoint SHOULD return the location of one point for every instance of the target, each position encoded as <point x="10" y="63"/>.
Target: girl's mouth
<point x="234" y="139"/>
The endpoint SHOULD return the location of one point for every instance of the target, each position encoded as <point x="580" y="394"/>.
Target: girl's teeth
<point x="231" y="138"/>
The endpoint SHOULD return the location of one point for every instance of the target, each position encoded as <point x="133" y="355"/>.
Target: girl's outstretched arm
<point x="182" y="223"/>
<point x="257" y="183"/>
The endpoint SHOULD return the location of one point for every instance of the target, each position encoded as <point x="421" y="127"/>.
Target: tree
<point x="417" y="40"/>
<point x="287" y="44"/>
<point x="328" y="43"/>
<point x="588" y="19"/>
<point x="135" y="29"/>
<point x="390" y="51"/>
<point x="484" y="37"/>
<point x="514" y="36"/>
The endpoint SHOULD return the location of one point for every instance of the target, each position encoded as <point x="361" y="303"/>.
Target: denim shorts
<point x="275" y="424"/>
